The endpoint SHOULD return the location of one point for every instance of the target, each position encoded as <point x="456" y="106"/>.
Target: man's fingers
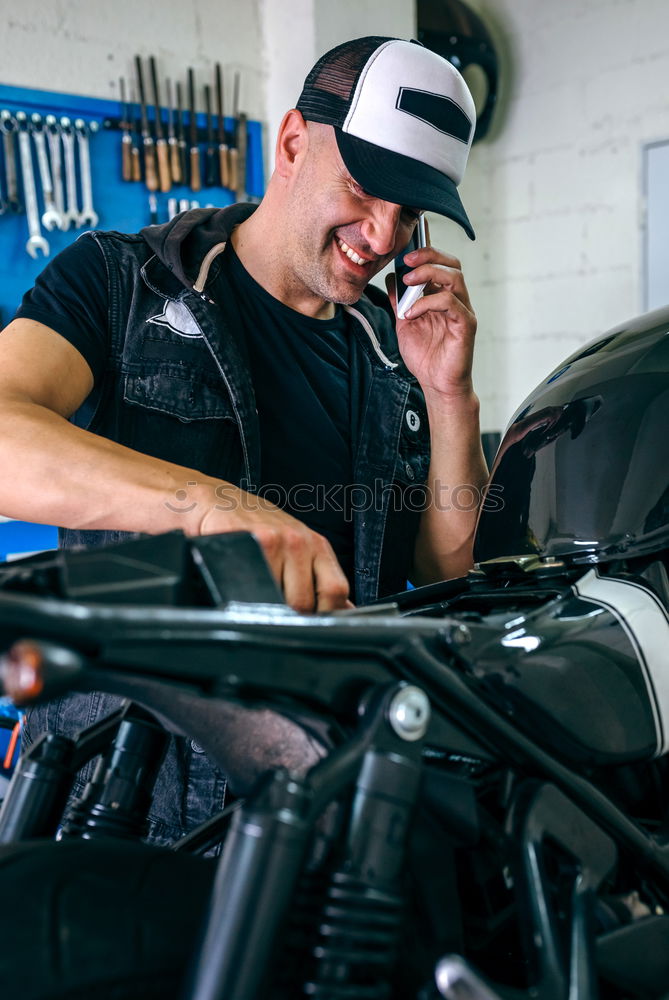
<point x="270" y="542"/>
<point x="302" y="562"/>
<point x="436" y="276"/>
<point x="305" y="567"/>
<point x="297" y="580"/>
<point x="425" y="255"/>
<point x="445" y="302"/>
<point x="330" y="583"/>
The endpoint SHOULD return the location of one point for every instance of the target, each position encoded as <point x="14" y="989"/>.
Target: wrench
<point x="8" y="128"/>
<point x="51" y="216"/>
<point x="53" y="137"/>
<point x="71" y="214"/>
<point x="4" y="204"/>
<point x="36" y="241"/>
<point x="88" y="213"/>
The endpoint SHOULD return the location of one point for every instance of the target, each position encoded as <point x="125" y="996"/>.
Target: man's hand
<point x="436" y="339"/>
<point x="302" y="561"/>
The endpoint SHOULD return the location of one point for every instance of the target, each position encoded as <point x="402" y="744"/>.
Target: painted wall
<point x="84" y="47"/>
<point x="556" y="196"/>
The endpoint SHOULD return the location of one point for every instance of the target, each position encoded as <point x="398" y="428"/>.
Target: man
<point x="160" y="380"/>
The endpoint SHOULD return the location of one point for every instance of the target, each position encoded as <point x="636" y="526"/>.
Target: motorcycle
<point x="459" y="792"/>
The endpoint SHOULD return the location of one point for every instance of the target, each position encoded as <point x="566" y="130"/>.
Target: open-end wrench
<point x="71" y="213"/>
<point x="4" y="204"/>
<point x="8" y="128"/>
<point x="36" y="241"/>
<point x="87" y="214"/>
<point x="53" y="137"/>
<point x="51" y="216"/>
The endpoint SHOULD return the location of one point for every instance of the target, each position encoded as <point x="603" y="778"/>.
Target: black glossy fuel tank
<point x="582" y="670"/>
<point x="583" y="470"/>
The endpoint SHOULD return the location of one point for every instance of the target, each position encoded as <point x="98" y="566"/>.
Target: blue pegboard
<point x="19" y="537"/>
<point x="119" y="204"/>
<point x="10" y="742"/>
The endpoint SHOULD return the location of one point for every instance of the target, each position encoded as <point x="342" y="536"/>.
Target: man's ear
<point x="291" y="143"/>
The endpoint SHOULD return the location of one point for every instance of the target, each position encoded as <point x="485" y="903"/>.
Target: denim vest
<point x="177" y="386"/>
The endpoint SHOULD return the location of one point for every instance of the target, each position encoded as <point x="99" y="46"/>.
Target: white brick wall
<point x="556" y="194"/>
<point x="83" y="47"/>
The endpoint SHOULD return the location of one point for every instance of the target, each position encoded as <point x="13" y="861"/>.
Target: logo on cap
<point x="436" y="110"/>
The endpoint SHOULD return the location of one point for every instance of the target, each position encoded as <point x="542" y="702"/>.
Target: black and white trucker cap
<point x="403" y="117"/>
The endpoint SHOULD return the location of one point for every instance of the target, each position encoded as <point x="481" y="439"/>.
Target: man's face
<point x="339" y="236"/>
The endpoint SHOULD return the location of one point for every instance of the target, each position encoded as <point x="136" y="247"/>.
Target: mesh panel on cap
<point x="327" y="91"/>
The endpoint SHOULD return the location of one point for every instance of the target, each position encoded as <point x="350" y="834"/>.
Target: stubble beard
<point x="313" y="268"/>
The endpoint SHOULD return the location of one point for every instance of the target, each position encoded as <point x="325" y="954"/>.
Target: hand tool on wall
<point x="88" y="215"/>
<point x="241" y="156"/>
<point x="161" y="143"/>
<point x="126" y="141"/>
<point x="71" y="214"/>
<point x="173" y="145"/>
<point x="8" y="128"/>
<point x="238" y="175"/>
<point x="195" y="179"/>
<point x="4" y="201"/>
<point x="4" y="205"/>
<point x="150" y="171"/>
<point x="135" y="158"/>
<point x="181" y="139"/>
<point x="36" y="242"/>
<point x="51" y="217"/>
<point x="233" y="152"/>
<point x="53" y="138"/>
<point x="222" y="144"/>
<point x="211" y="155"/>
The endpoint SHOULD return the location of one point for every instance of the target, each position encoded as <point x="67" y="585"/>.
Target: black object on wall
<point x="453" y="30"/>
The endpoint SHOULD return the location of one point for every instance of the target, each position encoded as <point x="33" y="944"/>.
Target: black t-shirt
<point x="70" y="296"/>
<point x="300" y="373"/>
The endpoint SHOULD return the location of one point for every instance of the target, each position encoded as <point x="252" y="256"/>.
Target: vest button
<point x="412" y="419"/>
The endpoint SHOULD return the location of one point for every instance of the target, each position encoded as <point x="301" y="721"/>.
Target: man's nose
<point x="379" y="228"/>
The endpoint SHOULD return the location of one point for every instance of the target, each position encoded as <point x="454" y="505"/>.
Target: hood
<point x="183" y="243"/>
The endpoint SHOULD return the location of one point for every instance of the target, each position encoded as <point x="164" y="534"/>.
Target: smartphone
<point x="409" y="293"/>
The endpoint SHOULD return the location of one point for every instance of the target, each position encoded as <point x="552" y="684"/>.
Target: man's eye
<point x="360" y="191"/>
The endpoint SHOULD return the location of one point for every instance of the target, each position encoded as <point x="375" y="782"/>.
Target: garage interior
<point x="563" y="654"/>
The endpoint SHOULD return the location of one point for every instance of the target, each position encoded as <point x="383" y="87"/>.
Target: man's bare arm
<point x="59" y="474"/>
<point x="437" y="343"/>
<point x="455" y="483"/>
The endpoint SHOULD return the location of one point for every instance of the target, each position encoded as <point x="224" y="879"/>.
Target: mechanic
<point x="229" y="371"/>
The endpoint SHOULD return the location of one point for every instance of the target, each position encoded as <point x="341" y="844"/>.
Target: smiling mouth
<point x="351" y="254"/>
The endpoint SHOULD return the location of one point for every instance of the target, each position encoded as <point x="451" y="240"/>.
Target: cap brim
<point x="401" y="179"/>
